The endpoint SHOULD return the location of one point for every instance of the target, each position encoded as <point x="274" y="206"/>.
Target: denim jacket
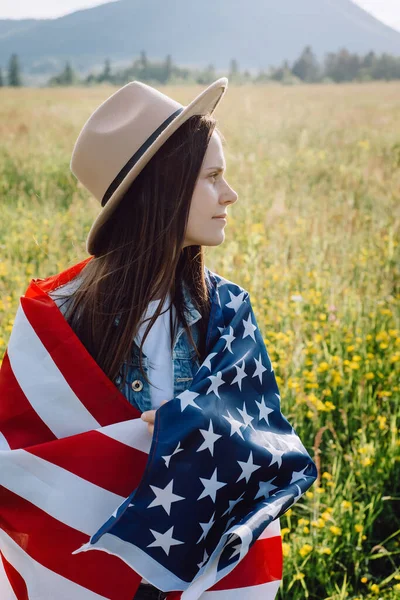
<point x="184" y="359"/>
<point x="184" y="363"/>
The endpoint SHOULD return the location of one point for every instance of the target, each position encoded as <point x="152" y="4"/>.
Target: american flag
<point x="90" y="503"/>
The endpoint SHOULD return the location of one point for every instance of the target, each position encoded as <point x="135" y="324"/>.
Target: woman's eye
<point x="215" y="175"/>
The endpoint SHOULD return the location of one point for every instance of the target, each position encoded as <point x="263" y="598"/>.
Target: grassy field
<point x="315" y="239"/>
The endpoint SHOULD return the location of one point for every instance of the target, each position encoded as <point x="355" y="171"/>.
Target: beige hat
<point x="122" y="135"/>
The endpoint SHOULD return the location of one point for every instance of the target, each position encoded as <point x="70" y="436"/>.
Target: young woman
<point x="141" y="305"/>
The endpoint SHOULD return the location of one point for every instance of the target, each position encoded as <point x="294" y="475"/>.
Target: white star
<point x="235" y="301"/>
<point x="264" y="410"/>
<point x="232" y="504"/>
<point x="240" y="374"/>
<point x="205" y="558"/>
<point x="296" y="475"/>
<point x="216" y="382"/>
<point x="276" y="456"/>
<point x="164" y="497"/>
<point x="187" y="399"/>
<point x="207" y="361"/>
<point x="228" y="523"/>
<point x="276" y="507"/>
<point x="247" y="419"/>
<point x="248" y="468"/>
<point x="211" y="486"/>
<point x="264" y="488"/>
<point x="206" y="528"/>
<point x="229" y="337"/>
<point x="236" y="550"/>
<point x="235" y="425"/>
<point x="249" y="328"/>
<point x="209" y="439"/>
<point x="259" y="368"/>
<point x="293" y="442"/>
<point x="168" y="458"/>
<point x="164" y="540"/>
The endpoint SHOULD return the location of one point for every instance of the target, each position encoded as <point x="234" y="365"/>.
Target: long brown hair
<point x="139" y="255"/>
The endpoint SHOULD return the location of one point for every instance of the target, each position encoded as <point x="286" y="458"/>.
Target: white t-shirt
<point x="157" y="347"/>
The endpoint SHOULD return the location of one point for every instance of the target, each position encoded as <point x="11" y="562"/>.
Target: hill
<point x="258" y="33"/>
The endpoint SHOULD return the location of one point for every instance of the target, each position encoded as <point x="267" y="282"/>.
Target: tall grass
<point x="314" y="238"/>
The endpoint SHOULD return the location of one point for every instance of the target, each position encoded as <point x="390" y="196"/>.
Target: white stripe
<point x="43" y="383"/>
<point x="133" y="433"/>
<point x="3" y="443"/>
<point x="6" y="591"/>
<point x="272" y="530"/>
<point x="41" y="582"/>
<point x="61" y="494"/>
<point x="264" y="591"/>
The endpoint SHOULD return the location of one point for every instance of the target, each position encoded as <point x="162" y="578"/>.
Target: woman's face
<point x="212" y="196"/>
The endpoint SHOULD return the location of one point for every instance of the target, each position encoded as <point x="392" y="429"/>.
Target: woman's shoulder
<point x="217" y="281"/>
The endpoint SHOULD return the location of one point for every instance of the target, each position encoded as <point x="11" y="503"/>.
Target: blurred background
<point x="311" y="120"/>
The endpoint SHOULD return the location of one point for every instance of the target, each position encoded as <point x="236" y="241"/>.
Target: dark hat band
<point x="131" y="162"/>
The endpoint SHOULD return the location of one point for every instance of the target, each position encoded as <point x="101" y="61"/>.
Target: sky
<point x="387" y="11"/>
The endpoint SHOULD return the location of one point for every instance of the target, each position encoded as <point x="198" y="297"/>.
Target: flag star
<point x="209" y="439"/>
<point x="264" y="489"/>
<point x="235" y="425"/>
<point x="247" y="419"/>
<point x="164" y="540"/>
<point x="235" y="301"/>
<point x="276" y="456"/>
<point x="232" y="504"/>
<point x="249" y="328"/>
<point x="216" y="382"/>
<point x="296" y="475"/>
<point x="293" y="442"/>
<point x="264" y="410"/>
<point x="164" y="497"/>
<point x="168" y="458"/>
<point x="206" y="528"/>
<point x="187" y="399"/>
<point x="298" y="495"/>
<point x="236" y="550"/>
<point x="228" y="523"/>
<point x="205" y="559"/>
<point x="276" y="507"/>
<point x="240" y="374"/>
<point x="207" y="361"/>
<point x="248" y="468"/>
<point x="211" y="486"/>
<point x="229" y="337"/>
<point x="259" y="368"/>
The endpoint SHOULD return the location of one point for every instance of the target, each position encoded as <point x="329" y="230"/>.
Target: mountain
<point x="258" y="33"/>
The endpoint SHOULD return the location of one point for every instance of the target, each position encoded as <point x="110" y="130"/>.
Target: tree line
<point x="341" y="66"/>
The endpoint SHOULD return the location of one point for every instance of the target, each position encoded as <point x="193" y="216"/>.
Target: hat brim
<point x="205" y="103"/>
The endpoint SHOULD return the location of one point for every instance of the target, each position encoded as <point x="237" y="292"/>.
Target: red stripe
<point x="19" y="423"/>
<point x="51" y="543"/>
<point x="54" y="281"/>
<point x="96" y="458"/>
<point x="16" y="581"/>
<point x="88" y="381"/>
<point x="262" y="563"/>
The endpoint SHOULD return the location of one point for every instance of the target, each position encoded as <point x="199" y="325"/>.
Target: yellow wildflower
<point x="305" y="549"/>
<point x="335" y="530"/>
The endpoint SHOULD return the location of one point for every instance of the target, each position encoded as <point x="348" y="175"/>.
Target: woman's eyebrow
<point x="219" y="169"/>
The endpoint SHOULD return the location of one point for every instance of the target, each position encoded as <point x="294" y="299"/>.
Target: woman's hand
<point x="149" y="416"/>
